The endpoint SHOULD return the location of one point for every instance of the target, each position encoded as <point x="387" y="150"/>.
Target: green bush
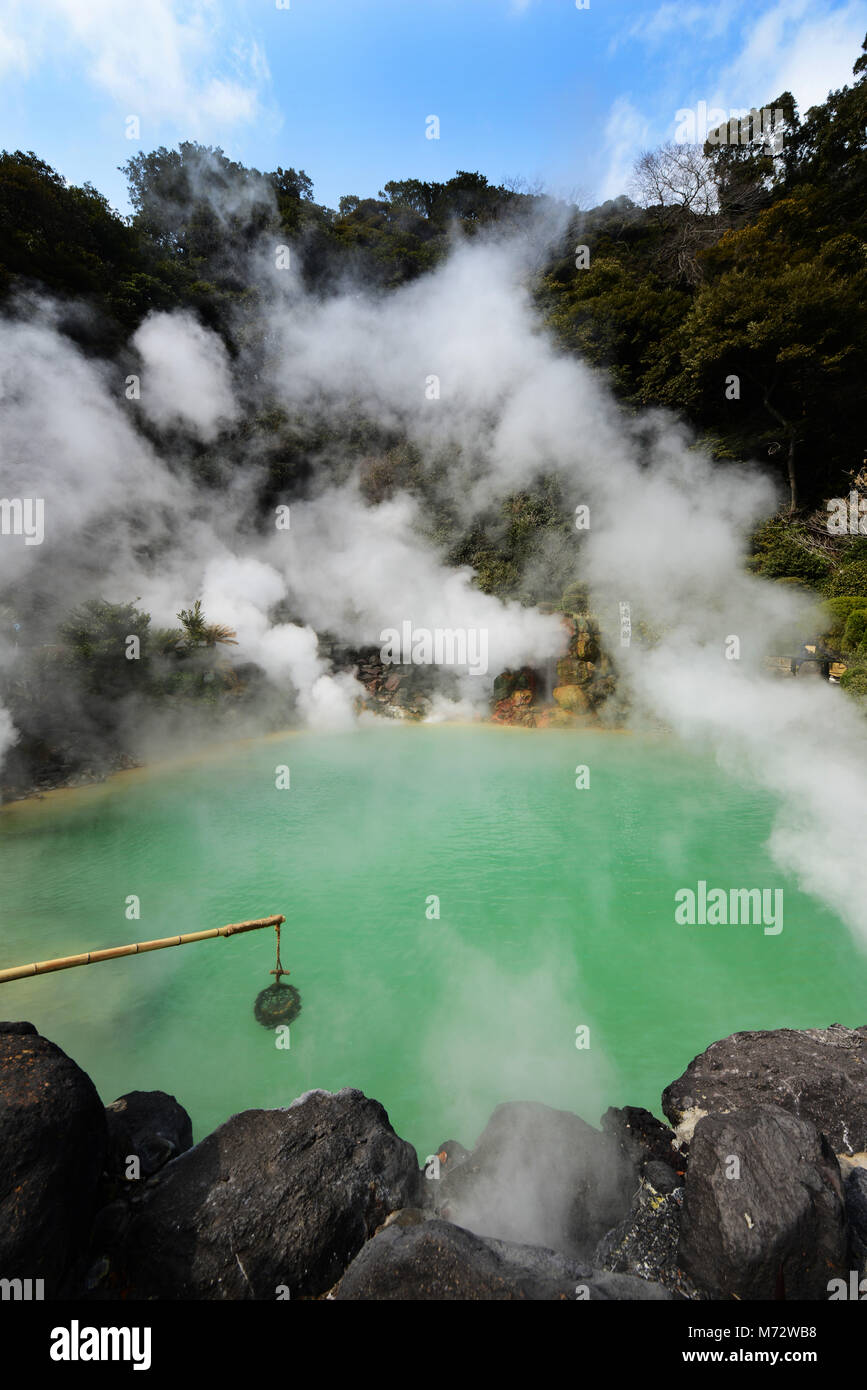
<point x="839" y="610"/>
<point x="855" y="632"/>
<point x="850" y="579"/>
<point x="95" y="637"/>
<point x="855" y="549"/>
<point x="854" y="680"/>
<point x="782" y="553"/>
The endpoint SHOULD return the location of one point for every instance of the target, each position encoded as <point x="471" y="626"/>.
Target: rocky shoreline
<point x="60" y="779"/>
<point x="755" y="1190"/>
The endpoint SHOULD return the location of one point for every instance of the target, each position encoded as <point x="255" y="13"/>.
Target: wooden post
<point x="43" y="967"/>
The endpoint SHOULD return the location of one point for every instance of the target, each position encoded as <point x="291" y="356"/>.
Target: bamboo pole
<point x="43" y="967"/>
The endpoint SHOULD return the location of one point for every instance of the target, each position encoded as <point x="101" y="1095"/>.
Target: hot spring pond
<point x="556" y="913"/>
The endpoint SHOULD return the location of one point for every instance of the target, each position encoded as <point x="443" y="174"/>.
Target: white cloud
<point x="658" y="26"/>
<point x="13" y="50"/>
<point x="160" y="60"/>
<point x="627" y="132"/>
<point x="799" y="46"/>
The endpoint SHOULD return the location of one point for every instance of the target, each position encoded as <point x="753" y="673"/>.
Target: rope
<point x="279" y="970"/>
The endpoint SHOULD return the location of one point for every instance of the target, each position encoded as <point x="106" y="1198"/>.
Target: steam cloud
<point x="8" y="733"/>
<point x="667" y="535"/>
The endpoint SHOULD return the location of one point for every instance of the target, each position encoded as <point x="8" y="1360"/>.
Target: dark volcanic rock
<point x="646" y="1243"/>
<point x="776" y="1230"/>
<point x="662" y="1177"/>
<point x="856" y="1212"/>
<point x="539" y="1176"/>
<point x="272" y="1198"/>
<point x="440" y="1164"/>
<point x="52" y="1146"/>
<point x="149" y="1124"/>
<point x="451" y="1154"/>
<point x="439" y="1261"/>
<point x="818" y="1074"/>
<point x="407" y="1216"/>
<point x="28" y="1029"/>
<point x="641" y="1137"/>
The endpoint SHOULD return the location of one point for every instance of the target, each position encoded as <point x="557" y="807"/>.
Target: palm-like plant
<point x="199" y="633"/>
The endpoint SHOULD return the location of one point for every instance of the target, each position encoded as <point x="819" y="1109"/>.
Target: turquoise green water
<point x="556" y="911"/>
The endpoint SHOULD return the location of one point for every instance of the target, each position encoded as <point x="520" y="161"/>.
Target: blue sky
<point x="537" y="89"/>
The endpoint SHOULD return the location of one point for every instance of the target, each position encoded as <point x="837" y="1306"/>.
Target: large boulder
<point x="763" y="1211"/>
<point x="818" y="1074"/>
<point x="439" y="1261"/>
<point x="539" y="1176"/>
<point x="150" y="1125"/>
<point x="273" y="1198"/>
<point x="573" y="698"/>
<point x="52" y="1148"/>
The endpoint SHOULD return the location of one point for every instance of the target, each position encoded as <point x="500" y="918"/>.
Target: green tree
<point x="96" y="636"/>
<point x="196" y="632"/>
<point x="782" y="309"/>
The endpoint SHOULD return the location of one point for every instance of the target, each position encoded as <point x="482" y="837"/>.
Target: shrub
<point x="850" y="579"/>
<point x="855" y="632"/>
<point x="854" y="680"/>
<point x="782" y="553"/>
<point x="855" y="549"/>
<point x="95" y="637"/>
<point x="839" y="610"/>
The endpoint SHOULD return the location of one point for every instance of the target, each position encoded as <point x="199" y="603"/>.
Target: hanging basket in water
<point x="277" y="1004"/>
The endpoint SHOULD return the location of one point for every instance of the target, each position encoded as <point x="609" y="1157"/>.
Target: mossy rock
<point x="507" y="682"/>
<point x="572" y="697"/>
<point x="504" y="684"/>
<point x="586" y="647"/>
<point x="602" y="689"/>
<point x="571" y="671"/>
